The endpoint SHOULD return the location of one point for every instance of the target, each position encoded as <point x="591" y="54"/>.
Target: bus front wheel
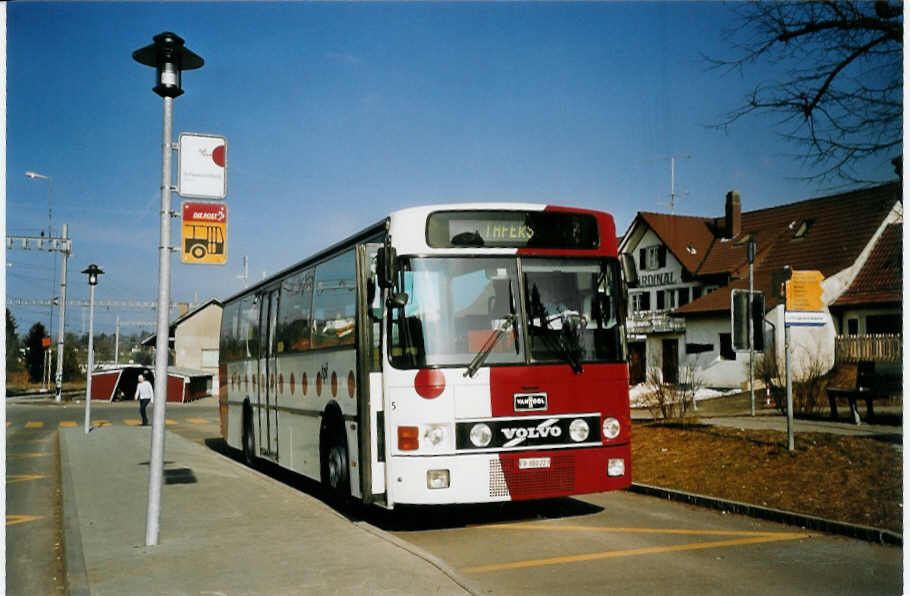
<point x="335" y="470"/>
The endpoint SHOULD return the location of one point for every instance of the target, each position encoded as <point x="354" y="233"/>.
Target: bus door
<point x="268" y="412"/>
<point x="369" y="376"/>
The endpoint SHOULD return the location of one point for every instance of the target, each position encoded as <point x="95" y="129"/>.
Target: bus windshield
<point x="556" y="310"/>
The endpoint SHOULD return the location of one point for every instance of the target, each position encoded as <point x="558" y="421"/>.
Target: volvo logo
<point x="517" y="435"/>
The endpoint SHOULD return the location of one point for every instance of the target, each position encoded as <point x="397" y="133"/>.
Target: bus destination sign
<point x="512" y="229"/>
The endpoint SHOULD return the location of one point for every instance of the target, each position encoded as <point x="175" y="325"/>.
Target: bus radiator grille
<point x="506" y="480"/>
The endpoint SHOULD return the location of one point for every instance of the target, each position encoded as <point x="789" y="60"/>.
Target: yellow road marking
<point x="132" y="422"/>
<point x="14" y="478"/>
<point x="634" y="552"/>
<point x="10" y="456"/>
<point x="67" y="423"/>
<point x="32" y="424"/>
<point x="20" y="519"/>
<point x="97" y="423"/>
<point x="198" y="421"/>
<point x="168" y="422"/>
<point x="679" y="531"/>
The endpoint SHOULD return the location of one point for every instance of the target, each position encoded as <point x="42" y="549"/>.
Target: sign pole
<point x="750" y="253"/>
<point x="790" y="442"/>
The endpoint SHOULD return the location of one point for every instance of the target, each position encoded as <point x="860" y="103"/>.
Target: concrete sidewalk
<point x="225" y="529"/>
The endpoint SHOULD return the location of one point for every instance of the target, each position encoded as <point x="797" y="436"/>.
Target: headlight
<point x="437" y="479"/>
<point x="481" y="435"/>
<point x="616" y="467"/>
<point x="579" y="430"/>
<point x="611" y="428"/>
<point x="435" y="434"/>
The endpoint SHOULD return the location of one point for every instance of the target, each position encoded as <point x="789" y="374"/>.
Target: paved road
<point x="595" y="544"/>
<point x="33" y="555"/>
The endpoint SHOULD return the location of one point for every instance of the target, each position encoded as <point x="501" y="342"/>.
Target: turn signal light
<point x="408" y="438"/>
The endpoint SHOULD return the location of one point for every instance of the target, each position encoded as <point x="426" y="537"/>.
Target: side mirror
<point x="386" y="257"/>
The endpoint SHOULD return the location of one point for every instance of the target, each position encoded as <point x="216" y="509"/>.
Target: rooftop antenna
<point x="673" y="195"/>
<point x="245" y="274"/>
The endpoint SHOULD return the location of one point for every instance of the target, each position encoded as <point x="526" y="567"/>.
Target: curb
<point x="867" y="533"/>
<point x="75" y="576"/>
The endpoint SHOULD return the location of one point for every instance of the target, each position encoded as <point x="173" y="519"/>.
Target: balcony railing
<point x="654" y="322"/>
<point x="877" y="348"/>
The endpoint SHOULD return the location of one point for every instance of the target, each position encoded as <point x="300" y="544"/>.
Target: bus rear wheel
<point x="249" y="442"/>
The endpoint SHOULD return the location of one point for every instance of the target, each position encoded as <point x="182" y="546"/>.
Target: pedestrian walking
<point x="146" y="395"/>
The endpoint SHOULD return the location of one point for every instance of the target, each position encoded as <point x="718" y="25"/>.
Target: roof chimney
<point x="733" y="215"/>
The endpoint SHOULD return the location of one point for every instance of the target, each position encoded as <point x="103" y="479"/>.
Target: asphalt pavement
<point x="224" y="529"/>
<point x="227" y="529"/>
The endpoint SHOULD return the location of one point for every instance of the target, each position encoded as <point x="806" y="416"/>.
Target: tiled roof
<point x="839" y="228"/>
<point x="881" y="278"/>
<point x="688" y="238"/>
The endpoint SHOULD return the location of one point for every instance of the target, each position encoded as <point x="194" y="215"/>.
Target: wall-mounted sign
<point x="649" y="280"/>
<point x="204" y="233"/>
<point x="201" y="166"/>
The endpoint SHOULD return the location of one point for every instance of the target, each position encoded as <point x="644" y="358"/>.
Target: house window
<point x="726" y="347"/>
<point x="661" y="302"/>
<point x="652" y="257"/>
<point x="696" y="293"/>
<point x="683" y="296"/>
<point x="802" y="228"/>
<point x="852" y="326"/>
<point x="883" y="324"/>
<point x="671" y="298"/>
<point x="641" y="301"/>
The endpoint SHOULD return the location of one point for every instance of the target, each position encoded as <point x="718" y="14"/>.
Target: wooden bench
<point x="869" y="386"/>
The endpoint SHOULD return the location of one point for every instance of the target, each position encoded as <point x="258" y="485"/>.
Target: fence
<point x="877" y="348"/>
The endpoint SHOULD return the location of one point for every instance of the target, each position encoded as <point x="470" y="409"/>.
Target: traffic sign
<point x="204" y="233"/>
<point x="804" y="291"/>
<point x="201" y="166"/>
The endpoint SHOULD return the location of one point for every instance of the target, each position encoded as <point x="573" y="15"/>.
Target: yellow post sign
<point x="804" y="291"/>
<point x="204" y="233"/>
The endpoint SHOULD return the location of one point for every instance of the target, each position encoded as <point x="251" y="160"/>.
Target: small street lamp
<point x="92" y="271"/>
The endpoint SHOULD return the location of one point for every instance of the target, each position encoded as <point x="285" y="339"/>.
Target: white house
<point x="688" y="266"/>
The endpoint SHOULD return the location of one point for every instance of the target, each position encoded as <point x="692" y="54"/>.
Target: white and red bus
<point x="448" y="354"/>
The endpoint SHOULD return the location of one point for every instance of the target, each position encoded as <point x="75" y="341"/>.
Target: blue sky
<point x="337" y="114"/>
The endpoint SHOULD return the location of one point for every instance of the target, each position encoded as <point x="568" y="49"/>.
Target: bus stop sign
<point x="204" y="233"/>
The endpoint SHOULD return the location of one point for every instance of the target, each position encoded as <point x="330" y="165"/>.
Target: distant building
<point x="193" y="339"/>
<point x="687" y="267"/>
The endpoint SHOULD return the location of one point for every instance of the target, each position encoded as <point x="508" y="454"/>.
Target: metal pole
<point x="790" y="445"/>
<point x="751" y="345"/>
<point x="91" y="359"/>
<point x="117" y="342"/>
<point x="156" y="464"/>
<point x="60" y="332"/>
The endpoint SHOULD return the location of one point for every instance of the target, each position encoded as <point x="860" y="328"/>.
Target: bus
<point x="448" y="354"/>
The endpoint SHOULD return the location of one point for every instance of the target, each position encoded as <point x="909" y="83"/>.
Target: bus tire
<point x="335" y="464"/>
<point x="249" y="441"/>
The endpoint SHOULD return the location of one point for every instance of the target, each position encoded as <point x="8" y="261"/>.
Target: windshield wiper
<point x="560" y="345"/>
<point x="488" y="345"/>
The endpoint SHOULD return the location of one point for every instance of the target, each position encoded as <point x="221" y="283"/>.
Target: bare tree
<point x="841" y="95"/>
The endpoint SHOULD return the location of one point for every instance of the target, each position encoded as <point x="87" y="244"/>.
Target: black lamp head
<point x="169" y="57"/>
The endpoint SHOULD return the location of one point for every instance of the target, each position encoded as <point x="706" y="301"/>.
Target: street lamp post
<point x="168" y="56"/>
<point x="93" y="271"/>
<point x="45" y="377"/>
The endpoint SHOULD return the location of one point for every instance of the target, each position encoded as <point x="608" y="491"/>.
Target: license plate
<point x="533" y="463"/>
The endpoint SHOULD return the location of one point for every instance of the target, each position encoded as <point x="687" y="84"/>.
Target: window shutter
<point x="641" y="259"/>
<point x="662" y="257"/>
